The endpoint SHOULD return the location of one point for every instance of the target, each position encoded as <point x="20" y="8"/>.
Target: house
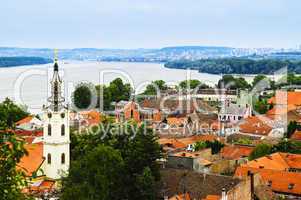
<point x="197" y="161"/>
<point x="200" y="185"/>
<point x="233" y="113"/>
<point x="130" y="110"/>
<point x="29" y="123"/>
<point x="237" y="153"/>
<point x="279" y="171"/>
<point x="185" y="196"/>
<point x="261" y="126"/>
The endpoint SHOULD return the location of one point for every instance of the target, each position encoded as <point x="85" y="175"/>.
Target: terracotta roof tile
<point x="255" y="125"/>
<point x="24" y="120"/>
<point x="279" y="181"/>
<point x="212" y="197"/>
<point x="181" y="197"/>
<point x="277" y="161"/>
<point x="33" y="161"/>
<point x="296" y="135"/>
<point x="236" y="151"/>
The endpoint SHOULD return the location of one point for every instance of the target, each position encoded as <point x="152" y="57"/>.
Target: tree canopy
<point x="119" y="163"/>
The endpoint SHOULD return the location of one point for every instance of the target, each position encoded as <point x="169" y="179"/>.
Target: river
<point x="28" y="85"/>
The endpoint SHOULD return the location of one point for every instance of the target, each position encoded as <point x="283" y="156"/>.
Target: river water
<point x="29" y="85"/>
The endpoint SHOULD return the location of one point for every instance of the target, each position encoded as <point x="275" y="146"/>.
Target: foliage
<point x="230" y="82"/>
<point x="115" y="92"/>
<point x="237" y="65"/>
<point x="95" y="175"/>
<point x="288" y="146"/>
<point x="244" y="141"/>
<point x="82" y="95"/>
<point x="138" y="151"/>
<point x="215" y="146"/>
<point x="291" y="128"/>
<point x="11" y="179"/>
<point x="262" y="106"/>
<point x="153" y="88"/>
<point x="10" y="113"/>
<point x="199" y="146"/>
<point x="260" y="150"/>
<point x="192" y="84"/>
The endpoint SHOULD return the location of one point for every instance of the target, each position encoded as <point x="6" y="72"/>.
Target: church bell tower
<point x="56" y="148"/>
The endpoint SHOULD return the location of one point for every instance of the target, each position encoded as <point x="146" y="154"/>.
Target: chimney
<point x="252" y="184"/>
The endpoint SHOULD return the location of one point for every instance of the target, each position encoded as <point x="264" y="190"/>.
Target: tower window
<point x="63" y="158"/>
<point x="63" y="129"/>
<point x="49" y="129"/>
<point x="132" y="113"/>
<point x="49" y="158"/>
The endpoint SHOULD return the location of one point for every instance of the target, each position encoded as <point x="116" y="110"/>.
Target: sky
<point x="150" y="23"/>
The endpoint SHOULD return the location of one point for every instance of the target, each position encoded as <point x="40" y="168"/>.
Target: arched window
<point x="63" y="158"/>
<point x="49" y="129"/>
<point x="49" y="158"/>
<point x="63" y="129"/>
<point x="132" y="113"/>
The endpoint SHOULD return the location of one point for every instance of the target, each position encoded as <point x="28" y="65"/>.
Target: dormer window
<point x="270" y="183"/>
<point x="291" y="186"/>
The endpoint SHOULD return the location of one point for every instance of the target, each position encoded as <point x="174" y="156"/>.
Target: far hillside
<point x="236" y="65"/>
<point x="20" y="61"/>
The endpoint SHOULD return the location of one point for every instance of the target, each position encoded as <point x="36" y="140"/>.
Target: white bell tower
<point x="56" y="150"/>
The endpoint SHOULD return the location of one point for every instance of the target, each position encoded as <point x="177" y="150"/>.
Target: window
<point x="132" y="113"/>
<point x="63" y="158"/>
<point x="63" y="129"/>
<point x="269" y="183"/>
<point x="49" y="129"/>
<point x="49" y="158"/>
<point x="291" y="186"/>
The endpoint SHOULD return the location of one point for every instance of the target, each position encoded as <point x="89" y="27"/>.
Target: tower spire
<point x="56" y="98"/>
<point x="56" y="67"/>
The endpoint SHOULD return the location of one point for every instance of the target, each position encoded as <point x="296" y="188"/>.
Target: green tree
<point x="82" y="95"/>
<point x="119" y="91"/>
<point x="10" y="113"/>
<point x="215" y="146"/>
<point x="199" y="145"/>
<point x="95" y="175"/>
<point x="192" y="84"/>
<point x="138" y="149"/>
<point x="291" y="128"/>
<point x="12" y="180"/>
<point x="260" y="150"/>
<point x="262" y="80"/>
<point x="261" y="106"/>
<point x="152" y="88"/>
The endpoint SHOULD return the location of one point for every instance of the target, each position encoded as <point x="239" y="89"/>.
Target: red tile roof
<point x="212" y="197"/>
<point x="296" y="135"/>
<point x="33" y="161"/>
<point x="255" y="125"/>
<point x="181" y="197"/>
<point x="286" y="98"/>
<point x="277" y="161"/>
<point x="279" y="181"/>
<point x="24" y="121"/>
<point x="236" y="152"/>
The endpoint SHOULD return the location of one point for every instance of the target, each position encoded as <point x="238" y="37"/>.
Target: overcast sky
<point x="150" y="23"/>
